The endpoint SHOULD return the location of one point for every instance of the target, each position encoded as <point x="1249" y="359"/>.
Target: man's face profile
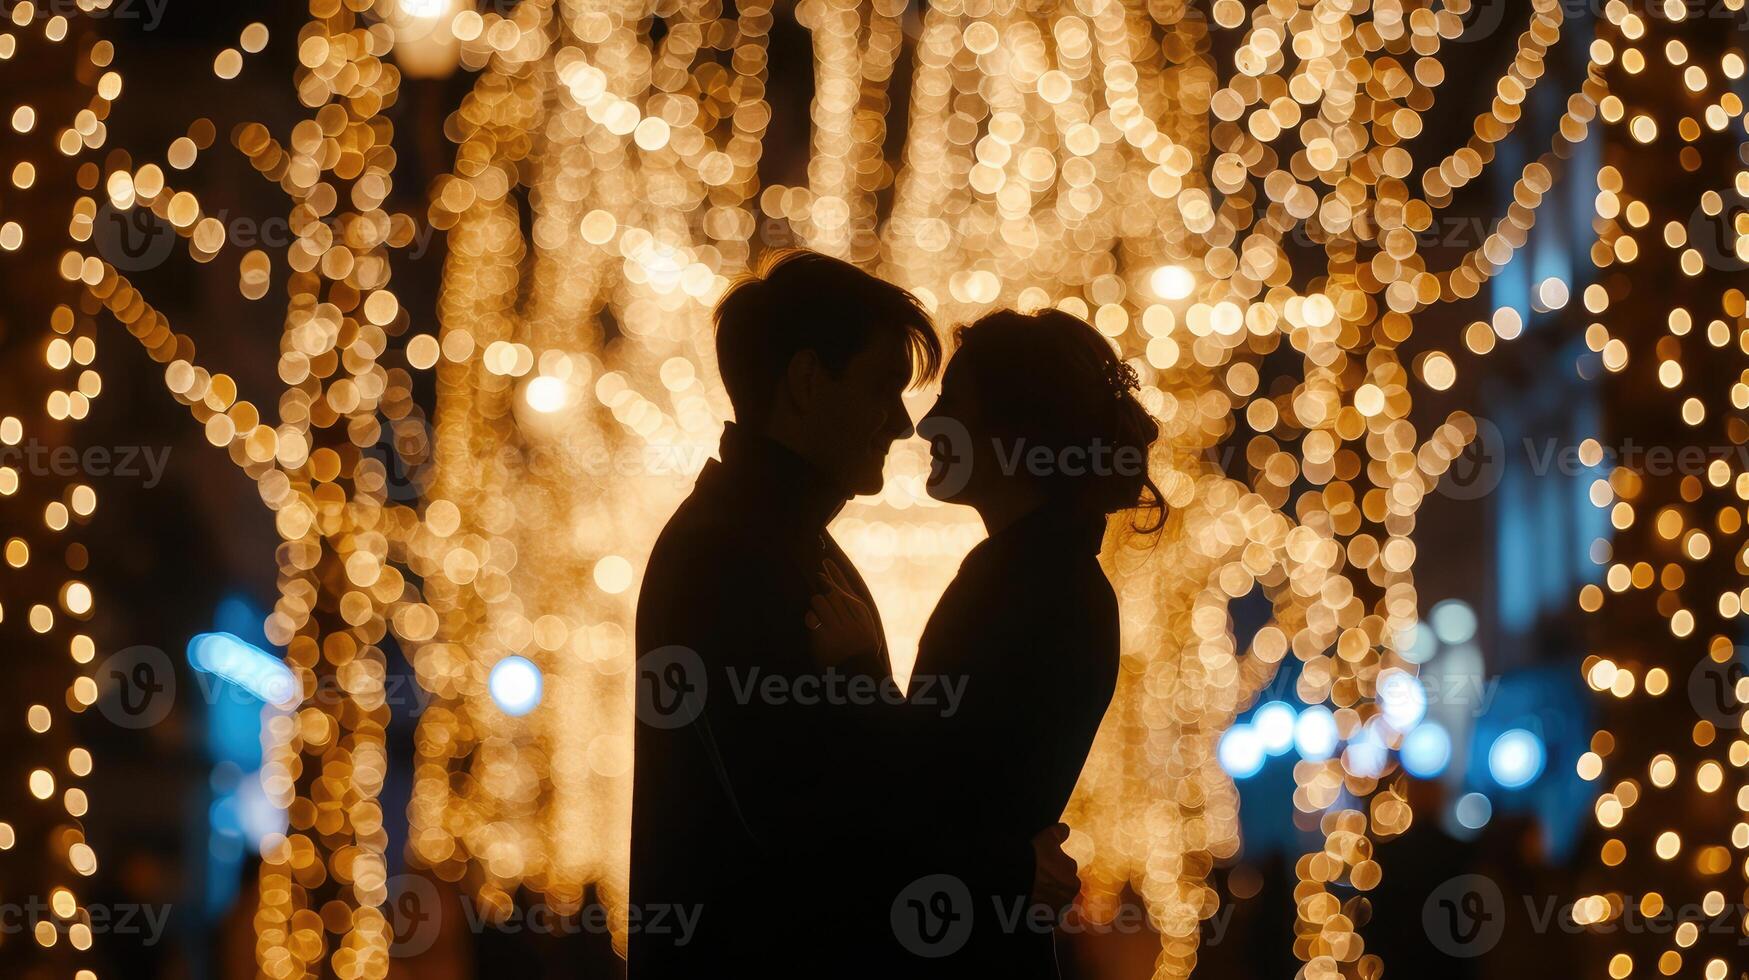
<point x="860" y="412"/>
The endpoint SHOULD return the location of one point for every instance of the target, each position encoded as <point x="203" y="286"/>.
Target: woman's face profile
<point x="961" y="464"/>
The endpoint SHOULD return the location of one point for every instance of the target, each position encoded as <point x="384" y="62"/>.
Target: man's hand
<point x="840" y="626"/>
<point x="1055" y="878"/>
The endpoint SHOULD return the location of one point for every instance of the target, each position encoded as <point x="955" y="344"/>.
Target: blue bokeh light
<point x="1473" y="811"/>
<point x="515" y="683"/>
<point x="1241" y="752"/>
<point x="1367" y="754"/>
<point x="1402" y="699"/>
<point x="245" y="665"/>
<point x="1453" y="621"/>
<point x="1315" y="734"/>
<point x="1274" y="722"/>
<point x="1516" y="758"/>
<point x="1426" y="751"/>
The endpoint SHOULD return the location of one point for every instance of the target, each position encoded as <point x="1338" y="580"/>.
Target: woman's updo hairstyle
<point x="1052" y="380"/>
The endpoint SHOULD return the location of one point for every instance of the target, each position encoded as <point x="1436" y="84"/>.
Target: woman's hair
<point x="1050" y="379"/>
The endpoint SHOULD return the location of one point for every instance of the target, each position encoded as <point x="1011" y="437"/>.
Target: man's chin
<point x="870" y="479"/>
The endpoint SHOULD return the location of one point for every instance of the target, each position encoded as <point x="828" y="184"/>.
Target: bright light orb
<point x="1426" y="751"/>
<point x="515" y="683"/>
<point x="1172" y="282"/>
<point x="1315" y="734"/>
<point x="245" y="665"/>
<point x="545" y="394"/>
<point x="1402" y="699"/>
<point x="1453" y="621"/>
<point x="425" y="9"/>
<point x="1474" y="811"/>
<point x="1274" y="723"/>
<point x="1366" y="755"/>
<point x="1516" y="759"/>
<point x="1241" y="752"/>
<point x="1417" y="644"/>
<point x="613" y="574"/>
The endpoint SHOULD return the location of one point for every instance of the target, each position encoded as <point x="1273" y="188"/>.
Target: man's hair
<point x="797" y="300"/>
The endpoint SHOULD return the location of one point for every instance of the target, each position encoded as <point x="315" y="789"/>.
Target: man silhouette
<point x="759" y="806"/>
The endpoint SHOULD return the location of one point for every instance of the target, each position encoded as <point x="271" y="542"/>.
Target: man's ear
<point x="801" y="380"/>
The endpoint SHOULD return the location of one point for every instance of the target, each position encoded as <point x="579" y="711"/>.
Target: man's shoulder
<point x="703" y="542"/>
<point x="700" y="530"/>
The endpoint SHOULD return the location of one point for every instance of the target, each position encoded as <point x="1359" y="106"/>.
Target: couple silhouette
<point x="812" y="817"/>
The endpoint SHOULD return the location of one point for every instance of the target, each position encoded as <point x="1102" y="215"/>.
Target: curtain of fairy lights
<point x="1667" y="311"/>
<point x="1231" y="192"/>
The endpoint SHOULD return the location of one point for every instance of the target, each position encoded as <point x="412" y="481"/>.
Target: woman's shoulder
<point x="1078" y="629"/>
<point x="1074" y="594"/>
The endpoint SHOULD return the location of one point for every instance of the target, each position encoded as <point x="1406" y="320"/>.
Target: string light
<point x="45" y="602"/>
<point x="1098" y="157"/>
<point x="324" y="764"/>
<point x="1671" y="796"/>
<point x="1069" y="158"/>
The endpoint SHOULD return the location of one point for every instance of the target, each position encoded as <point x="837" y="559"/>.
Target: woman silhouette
<point x="1039" y="430"/>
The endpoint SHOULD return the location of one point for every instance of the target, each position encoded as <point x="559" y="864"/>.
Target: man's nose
<point x="902" y="426"/>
